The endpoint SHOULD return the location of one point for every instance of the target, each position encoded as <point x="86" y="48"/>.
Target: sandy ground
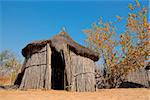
<point x="103" y="94"/>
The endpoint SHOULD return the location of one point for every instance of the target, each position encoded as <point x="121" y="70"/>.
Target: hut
<point x="140" y="77"/>
<point x="58" y="63"/>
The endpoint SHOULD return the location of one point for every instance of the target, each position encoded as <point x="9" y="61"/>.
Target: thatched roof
<point x="58" y="39"/>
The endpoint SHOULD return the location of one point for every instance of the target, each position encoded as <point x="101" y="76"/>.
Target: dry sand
<point x="103" y="94"/>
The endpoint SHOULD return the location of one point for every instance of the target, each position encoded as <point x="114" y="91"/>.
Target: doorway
<point x="58" y="67"/>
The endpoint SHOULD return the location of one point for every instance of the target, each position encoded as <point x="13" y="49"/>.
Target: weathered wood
<point x="77" y="75"/>
<point x="83" y="67"/>
<point x="23" y="80"/>
<point x="65" y="86"/>
<point x="83" y="73"/>
<point x="67" y="65"/>
<point x="25" y="77"/>
<point x="38" y="77"/>
<point x="48" y="68"/>
<point x="80" y="74"/>
<point x="79" y="70"/>
<point x="73" y="71"/>
<point x="41" y="67"/>
<point x="139" y="76"/>
<point x="35" y="70"/>
<point x="43" y="58"/>
<point x="90" y="76"/>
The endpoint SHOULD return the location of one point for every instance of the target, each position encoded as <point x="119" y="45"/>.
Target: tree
<point x="9" y="66"/>
<point x="5" y="55"/>
<point x="123" y="55"/>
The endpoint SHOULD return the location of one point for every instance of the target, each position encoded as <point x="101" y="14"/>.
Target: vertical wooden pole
<point x="67" y="65"/>
<point x="48" y="68"/>
<point x="64" y="79"/>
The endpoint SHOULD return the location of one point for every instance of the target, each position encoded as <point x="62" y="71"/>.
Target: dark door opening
<point x="58" y="66"/>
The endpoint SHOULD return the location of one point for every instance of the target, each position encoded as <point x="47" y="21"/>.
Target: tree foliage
<point x="123" y="54"/>
<point x="9" y="67"/>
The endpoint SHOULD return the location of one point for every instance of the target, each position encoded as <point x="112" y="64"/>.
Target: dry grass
<point x="103" y="94"/>
<point x="5" y="80"/>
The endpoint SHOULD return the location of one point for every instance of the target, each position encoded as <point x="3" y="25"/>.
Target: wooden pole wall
<point x="82" y="73"/>
<point x="36" y="71"/>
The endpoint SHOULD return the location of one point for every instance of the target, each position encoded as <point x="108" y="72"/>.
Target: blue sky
<point x="24" y="21"/>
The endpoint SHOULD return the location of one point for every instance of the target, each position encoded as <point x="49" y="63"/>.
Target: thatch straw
<point x="62" y="37"/>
